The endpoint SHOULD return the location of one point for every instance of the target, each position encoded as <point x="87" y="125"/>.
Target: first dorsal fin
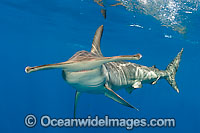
<point x="96" y="41"/>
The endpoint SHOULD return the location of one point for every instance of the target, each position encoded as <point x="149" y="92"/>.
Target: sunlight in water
<point x="171" y="13"/>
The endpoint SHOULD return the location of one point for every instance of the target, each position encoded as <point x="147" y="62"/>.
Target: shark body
<point x="91" y="72"/>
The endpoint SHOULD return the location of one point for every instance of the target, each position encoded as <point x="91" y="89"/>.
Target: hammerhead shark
<point x="91" y="72"/>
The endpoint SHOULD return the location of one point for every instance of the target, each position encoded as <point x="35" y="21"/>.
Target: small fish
<point x="103" y="12"/>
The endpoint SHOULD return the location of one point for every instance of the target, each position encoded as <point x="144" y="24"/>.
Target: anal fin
<point x="111" y="94"/>
<point x="129" y="90"/>
<point x="77" y="94"/>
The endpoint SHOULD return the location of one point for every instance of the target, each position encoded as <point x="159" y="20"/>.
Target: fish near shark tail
<point x="172" y="69"/>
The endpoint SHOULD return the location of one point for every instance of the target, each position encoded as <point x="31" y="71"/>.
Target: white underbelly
<point x="90" y="81"/>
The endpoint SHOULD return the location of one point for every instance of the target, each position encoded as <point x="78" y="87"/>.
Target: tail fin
<point x="172" y="69"/>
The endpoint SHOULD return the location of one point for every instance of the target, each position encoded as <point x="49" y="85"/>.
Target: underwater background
<point x="37" y="32"/>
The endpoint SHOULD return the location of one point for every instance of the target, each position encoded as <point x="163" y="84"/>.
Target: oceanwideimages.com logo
<point x="130" y="123"/>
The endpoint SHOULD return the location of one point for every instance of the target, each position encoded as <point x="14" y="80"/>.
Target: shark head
<point x="83" y="60"/>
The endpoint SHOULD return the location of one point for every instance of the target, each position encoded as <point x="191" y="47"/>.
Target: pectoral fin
<point x="137" y="84"/>
<point x="111" y="94"/>
<point x="77" y="94"/>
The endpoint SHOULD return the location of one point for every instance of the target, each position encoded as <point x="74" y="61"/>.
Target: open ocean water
<point x="36" y="32"/>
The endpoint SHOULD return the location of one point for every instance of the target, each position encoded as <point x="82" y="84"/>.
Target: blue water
<point x="34" y="32"/>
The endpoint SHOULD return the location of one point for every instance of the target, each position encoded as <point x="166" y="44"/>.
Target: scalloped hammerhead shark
<point x="91" y="72"/>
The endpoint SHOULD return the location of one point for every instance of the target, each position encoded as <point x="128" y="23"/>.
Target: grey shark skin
<point x="91" y="72"/>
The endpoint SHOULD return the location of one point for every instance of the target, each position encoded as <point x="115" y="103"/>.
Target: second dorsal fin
<point x="96" y="41"/>
<point x="154" y="66"/>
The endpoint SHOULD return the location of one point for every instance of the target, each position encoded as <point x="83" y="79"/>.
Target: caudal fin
<point x="172" y="69"/>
